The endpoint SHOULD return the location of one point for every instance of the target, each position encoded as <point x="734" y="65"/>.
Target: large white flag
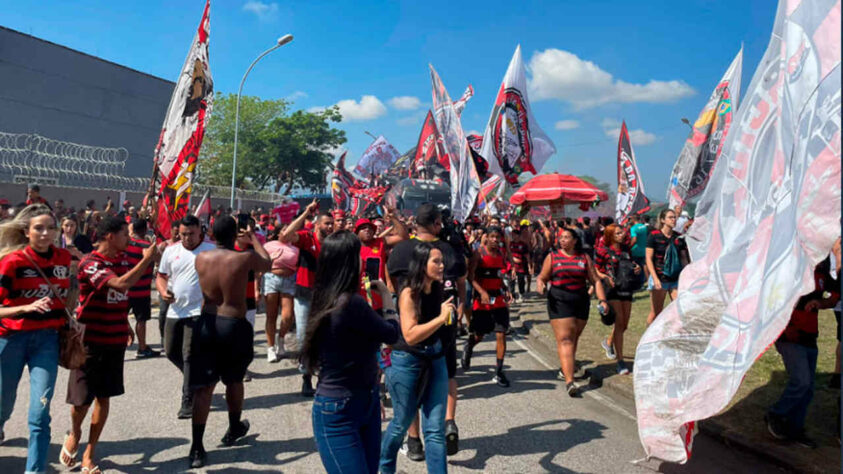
<point x="769" y="214"/>
<point x="513" y="142"/>
<point x="465" y="184"/>
<point x="705" y="142"/>
<point x="378" y="158"/>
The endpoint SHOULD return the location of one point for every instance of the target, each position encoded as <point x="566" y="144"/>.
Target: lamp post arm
<point x="237" y="117"/>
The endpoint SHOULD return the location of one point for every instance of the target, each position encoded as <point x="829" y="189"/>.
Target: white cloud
<point x="264" y="11"/>
<point x="566" y="125"/>
<point x="317" y="109"/>
<point x="405" y="102"/>
<point x="638" y="137"/>
<point x="561" y="75"/>
<point x="369" y="108"/>
<point x="296" y="95"/>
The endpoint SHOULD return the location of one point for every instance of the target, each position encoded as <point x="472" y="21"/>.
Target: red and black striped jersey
<point x="134" y="252"/>
<point x="489" y="275"/>
<point x="103" y="310"/>
<point x="521" y="251"/>
<point x="21" y="284"/>
<point x="606" y="258"/>
<point x="309" y="247"/>
<point x="569" y="272"/>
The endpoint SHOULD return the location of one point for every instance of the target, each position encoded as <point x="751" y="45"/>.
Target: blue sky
<point x="592" y="63"/>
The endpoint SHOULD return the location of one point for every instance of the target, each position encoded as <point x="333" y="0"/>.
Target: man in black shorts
<point x="223" y="348"/>
<point x="429" y="226"/>
<point x="140" y="299"/>
<point x="490" y="310"/>
<point x="105" y="277"/>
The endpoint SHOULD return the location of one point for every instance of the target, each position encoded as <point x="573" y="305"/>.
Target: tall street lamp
<point x="281" y="42"/>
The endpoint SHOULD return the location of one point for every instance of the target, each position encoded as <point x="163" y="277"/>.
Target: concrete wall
<point x="59" y="93"/>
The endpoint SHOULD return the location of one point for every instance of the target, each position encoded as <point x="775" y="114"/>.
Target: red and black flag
<point x="184" y="128"/>
<point x="631" y="198"/>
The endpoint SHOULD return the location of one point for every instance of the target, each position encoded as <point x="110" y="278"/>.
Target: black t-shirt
<point x="658" y="242"/>
<point x="398" y="266"/>
<point x="348" y="347"/>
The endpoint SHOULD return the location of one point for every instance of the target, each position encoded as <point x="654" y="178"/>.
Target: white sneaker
<point x="280" y="352"/>
<point x="271" y="355"/>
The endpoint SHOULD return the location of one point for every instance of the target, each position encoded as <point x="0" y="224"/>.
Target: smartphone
<point x="493" y="299"/>
<point x="373" y="268"/>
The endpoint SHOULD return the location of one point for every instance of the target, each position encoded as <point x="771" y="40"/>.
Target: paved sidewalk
<point x="533" y="322"/>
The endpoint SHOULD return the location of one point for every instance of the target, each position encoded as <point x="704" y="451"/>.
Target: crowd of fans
<point x="377" y="302"/>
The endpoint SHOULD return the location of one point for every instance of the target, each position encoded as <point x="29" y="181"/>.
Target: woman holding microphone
<point x="418" y="376"/>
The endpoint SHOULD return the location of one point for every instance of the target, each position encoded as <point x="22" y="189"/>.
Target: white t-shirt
<point x="178" y="264"/>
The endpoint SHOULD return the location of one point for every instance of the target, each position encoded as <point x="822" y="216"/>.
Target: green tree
<point x="275" y="148"/>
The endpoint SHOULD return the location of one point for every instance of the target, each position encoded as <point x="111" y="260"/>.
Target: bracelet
<point x="602" y="301"/>
<point x="389" y="312"/>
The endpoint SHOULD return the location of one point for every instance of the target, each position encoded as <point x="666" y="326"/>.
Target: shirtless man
<point x="223" y="348"/>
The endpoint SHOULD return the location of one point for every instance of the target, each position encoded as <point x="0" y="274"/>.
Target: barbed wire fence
<point x="31" y="158"/>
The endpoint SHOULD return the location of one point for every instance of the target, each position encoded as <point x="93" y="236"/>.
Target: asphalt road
<point x="533" y="426"/>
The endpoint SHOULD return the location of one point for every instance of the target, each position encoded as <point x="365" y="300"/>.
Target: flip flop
<point x="65" y="453"/>
<point x="91" y="470"/>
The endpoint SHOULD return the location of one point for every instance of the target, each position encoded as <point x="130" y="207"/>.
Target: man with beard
<point x="309" y="243"/>
<point x="223" y="345"/>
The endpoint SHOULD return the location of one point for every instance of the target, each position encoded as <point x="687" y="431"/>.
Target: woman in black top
<point x="78" y="245"/>
<point x="341" y="345"/>
<point x="418" y="375"/>
<point x="657" y="244"/>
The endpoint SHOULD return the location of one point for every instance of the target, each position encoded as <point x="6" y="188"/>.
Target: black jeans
<point x="178" y="340"/>
<point x="162" y="317"/>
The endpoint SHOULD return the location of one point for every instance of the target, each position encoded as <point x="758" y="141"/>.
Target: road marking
<point x="593" y="394"/>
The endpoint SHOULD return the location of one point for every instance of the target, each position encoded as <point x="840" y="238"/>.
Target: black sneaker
<point x="452" y="437"/>
<point x="803" y="440"/>
<point x="834" y="382"/>
<point x="776" y="426"/>
<point x="572" y="389"/>
<point x="462" y="332"/>
<point x="197" y="458"/>
<point x="307" y="387"/>
<point x="465" y="361"/>
<point x="501" y="380"/>
<point x="415" y="450"/>
<point x="232" y="436"/>
<point x="147" y="353"/>
<point x="247" y="377"/>
<point x="186" y="410"/>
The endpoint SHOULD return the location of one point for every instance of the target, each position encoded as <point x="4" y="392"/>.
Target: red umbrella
<point x="555" y="188"/>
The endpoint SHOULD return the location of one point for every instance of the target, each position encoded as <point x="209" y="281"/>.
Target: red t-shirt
<point x="489" y="275"/>
<point x="309" y="247"/>
<point x="134" y="253"/>
<point x="20" y="284"/>
<point x="373" y="255"/>
<point x="103" y="310"/>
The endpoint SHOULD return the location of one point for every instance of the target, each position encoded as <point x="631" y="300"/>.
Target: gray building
<point x="68" y="96"/>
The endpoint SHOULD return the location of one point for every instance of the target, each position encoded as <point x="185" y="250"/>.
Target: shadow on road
<point x="532" y="439"/>
<point x="477" y="383"/>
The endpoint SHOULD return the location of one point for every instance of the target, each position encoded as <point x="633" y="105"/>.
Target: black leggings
<point x="523" y="283"/>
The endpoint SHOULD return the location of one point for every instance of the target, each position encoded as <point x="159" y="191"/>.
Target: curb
<point x="709" y="427"/>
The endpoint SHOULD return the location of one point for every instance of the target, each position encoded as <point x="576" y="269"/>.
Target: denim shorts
<point x="666" y="285"/>
<point x="273" y="283"/>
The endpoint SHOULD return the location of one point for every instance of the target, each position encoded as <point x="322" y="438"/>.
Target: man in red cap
<point x="339" y="219"/>
<point x="373" y="249"/>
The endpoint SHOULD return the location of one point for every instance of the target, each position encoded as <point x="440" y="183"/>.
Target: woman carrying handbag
<point x="34" y="280"/>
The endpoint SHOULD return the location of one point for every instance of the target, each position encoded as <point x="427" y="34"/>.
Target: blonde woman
<point x="30" y="316"/>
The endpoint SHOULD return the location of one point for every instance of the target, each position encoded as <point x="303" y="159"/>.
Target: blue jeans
<point x="801" y="365"/>
<point x="402" y="379"/>
<point x="301" y="308"/>
<point x="348" y="432"/>
<point x="39" y="350"/>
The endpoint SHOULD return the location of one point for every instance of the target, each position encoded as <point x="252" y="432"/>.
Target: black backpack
<point x="626" y="280"/>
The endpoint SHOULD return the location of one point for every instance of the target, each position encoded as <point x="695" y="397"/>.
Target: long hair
<point x="609" y="234"/>
<point x="72" y="218"/>
<point x="663" y="215"/>
<point x="337" y="279"/>
<point x="12" y="232"/>
<point x="416" y="274"/>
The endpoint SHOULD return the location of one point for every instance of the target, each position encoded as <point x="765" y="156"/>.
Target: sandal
<point x="65" y="454"/>
<point x="91" y="470"/>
